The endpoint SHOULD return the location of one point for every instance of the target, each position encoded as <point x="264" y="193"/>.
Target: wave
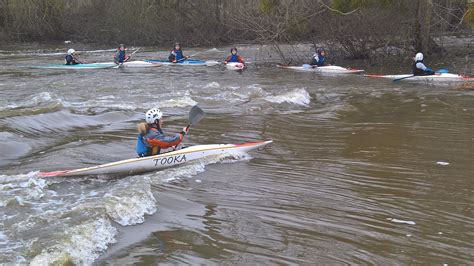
<point x="80" y="227"/>
<point x="296" y="96"/>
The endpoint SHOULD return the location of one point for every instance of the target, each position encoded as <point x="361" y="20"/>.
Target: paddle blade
<point x="306" y="66"/>
<point x="444" y="70"/>
<point x="195" y="115"/>
<point x="398" y="79"/>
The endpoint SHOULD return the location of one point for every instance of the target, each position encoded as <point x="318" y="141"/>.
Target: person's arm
<point x="76" y="61"/>
<point x="172" y="57"/>
<point x="240" y="59"/>
<point x="227" y="60"/>
<point x="165" y="142"/>
<point x="424" y="68"/>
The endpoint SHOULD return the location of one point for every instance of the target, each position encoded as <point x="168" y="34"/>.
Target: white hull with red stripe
<point x="136" y="64"/>
<point x="161" y="161"/>
<point x="235" y="66"/>
<point x="437" y="78"/>
<point x="324" y="69"/>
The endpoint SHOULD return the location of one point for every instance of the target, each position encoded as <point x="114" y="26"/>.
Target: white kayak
<point x="136" y="64"/>
<point x="188" y="62"/>
<point x="235" y="66"/>
<point x="161" y="161"/>
<point x="437" y="78"/>
<point x="323" y="69"/>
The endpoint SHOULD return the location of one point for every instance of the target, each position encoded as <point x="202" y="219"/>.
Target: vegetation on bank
<point x="356" y="28"/>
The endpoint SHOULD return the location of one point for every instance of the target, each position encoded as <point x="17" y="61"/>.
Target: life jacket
<point x="176" y="55"/>
<point x="418" y="71"/>
<point x="234" y="58"/>
<point x="155" y="140"/>
<point x="70" y="60"/>
<point x="318" y="60"/>
<point x="120" y="56"/>
<point x="141" y="148"/>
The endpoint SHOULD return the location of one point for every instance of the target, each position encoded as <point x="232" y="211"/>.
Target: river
<point x="361" y="171"/>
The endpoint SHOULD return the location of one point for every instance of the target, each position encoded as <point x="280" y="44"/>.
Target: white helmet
<point x="70" y="51"/>
<point x="152" y="115"/>
<point x="419" y="57"/>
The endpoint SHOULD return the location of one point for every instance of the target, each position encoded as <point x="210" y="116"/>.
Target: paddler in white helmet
<point x="151" y="139"/>
<point x="419" y="67"/>
<point x="71" y="58"/>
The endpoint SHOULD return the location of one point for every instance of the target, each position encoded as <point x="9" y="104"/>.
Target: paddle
<point x="133" y="53"/>
<point x="196" y="114"/>
<point x="184" y="58"/>
<point x="443" y="70"/>
<point x="308" y="66"/>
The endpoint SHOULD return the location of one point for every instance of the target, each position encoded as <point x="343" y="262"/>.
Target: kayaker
<point x="419" y="68"/>
<point x="71" y="58"/>
<point x="234" y="57"/>
<point x="120" y="55"/>
<point x="152" y="137"/>
<point x="176" y="55"/>
<point x="319" y="58"/>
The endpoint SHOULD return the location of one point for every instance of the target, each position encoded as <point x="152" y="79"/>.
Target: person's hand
<point x="225" y="62"/>
<point x="185" y="131"/>
<point x="187" y="57"/>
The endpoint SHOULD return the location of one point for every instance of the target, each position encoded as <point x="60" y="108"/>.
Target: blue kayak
<point x="78" y="66"/>
<point x="189" y="62"/>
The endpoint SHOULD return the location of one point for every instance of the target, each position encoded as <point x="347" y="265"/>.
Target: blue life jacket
<point x="179" y="54"/>
<point x="234" y="58"/>
<point x="70" y="60"/>
<point x="120" y="56"/>
<point x="141" y="148"/>
<point x="320" y="61"/>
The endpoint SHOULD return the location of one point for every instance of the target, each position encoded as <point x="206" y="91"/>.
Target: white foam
<point x="442" y="163"/>
<point x="34" y="101"/>
<point x="129" y="207"/>
<point x="81" y="245"/>
<point x="401" y="221"/>
<point x="297" y="96"/>
<point x="212" y="85"/>
<point x="180" y="102"/>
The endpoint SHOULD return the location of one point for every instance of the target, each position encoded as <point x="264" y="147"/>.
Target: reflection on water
<point x="353" y="175"/>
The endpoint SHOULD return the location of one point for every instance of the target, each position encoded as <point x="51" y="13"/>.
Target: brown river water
<point x="361" y="171"/>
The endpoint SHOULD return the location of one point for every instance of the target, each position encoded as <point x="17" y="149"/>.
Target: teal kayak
<point x="78" y="66"/>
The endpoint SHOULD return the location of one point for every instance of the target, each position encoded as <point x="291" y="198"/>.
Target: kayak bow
<point x="323" y="69"/>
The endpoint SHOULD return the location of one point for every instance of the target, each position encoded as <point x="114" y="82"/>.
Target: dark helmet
<point x="122" y="45"/>
<point x="320" y="50"/>
<point x="233" y="49"/>
<point x="177" y="44"/>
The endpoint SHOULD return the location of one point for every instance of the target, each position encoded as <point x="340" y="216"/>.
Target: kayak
<point x="78" y="66"/>
<point x="161" y="161"/>
<point x="136" y="64"/>
<point x="188" y="62"/>
<point x="235" y="66"/>
<point x="324" y="69"/>
<point x="438" y="77"/>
